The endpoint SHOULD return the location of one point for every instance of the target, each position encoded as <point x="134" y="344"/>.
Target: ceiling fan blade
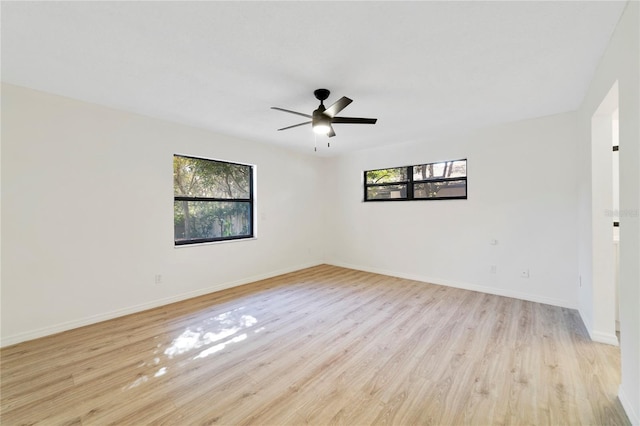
<point x="295" y="125"/>
<point x="354" y="120"/>
<point x="292" y="112"/>
<point x="337" y="106"/>
<point x="331" y="132"/>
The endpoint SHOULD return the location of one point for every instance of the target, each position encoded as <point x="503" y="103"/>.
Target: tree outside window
<point x="213" y="200"/>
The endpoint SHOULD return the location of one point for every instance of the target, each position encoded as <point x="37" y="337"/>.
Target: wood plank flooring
<point x="325" y="345"/>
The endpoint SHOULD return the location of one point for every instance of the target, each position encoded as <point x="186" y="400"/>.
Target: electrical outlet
<point x="158" y="279"/>
<point x="493" y="269"/>
<point x="524" y="273"/>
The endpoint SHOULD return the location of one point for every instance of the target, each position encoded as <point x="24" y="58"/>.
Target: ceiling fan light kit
<point x="321" y="128"/>
<point x="323" y="118"/>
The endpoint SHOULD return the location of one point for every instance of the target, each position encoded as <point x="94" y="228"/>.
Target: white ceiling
<point x="424" y="69"/>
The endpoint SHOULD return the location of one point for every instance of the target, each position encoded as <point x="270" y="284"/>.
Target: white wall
<point x="522" y="191"/>
<point x="87" y="214"/>
<point x="620" y="63"/>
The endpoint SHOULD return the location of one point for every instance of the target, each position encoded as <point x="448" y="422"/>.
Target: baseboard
<point x="634" y="418"/>
<point x="461" y="285"/>
<point x="598" y="336"/>
<point x="93" y="319"/>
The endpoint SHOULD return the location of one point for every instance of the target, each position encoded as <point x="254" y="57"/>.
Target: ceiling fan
<point x="323" y="118"/>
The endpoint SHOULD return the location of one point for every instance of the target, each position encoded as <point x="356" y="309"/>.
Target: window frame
<point x="410" y="182"/>
<point x="250" y="201"/>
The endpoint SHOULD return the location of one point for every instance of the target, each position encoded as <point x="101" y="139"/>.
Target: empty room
<point x="320" y="213"/>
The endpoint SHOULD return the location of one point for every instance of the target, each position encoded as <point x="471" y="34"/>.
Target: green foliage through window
<point x="397" y="174"/>
<point x="213" y="200"/>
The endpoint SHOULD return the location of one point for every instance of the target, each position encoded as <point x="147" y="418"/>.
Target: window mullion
<point x="410" y="183"/>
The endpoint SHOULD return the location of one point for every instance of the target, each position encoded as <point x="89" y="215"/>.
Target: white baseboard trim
<point x="465" y="286"/>
<point x="69" y="325"/>
<point x="601" y="337"/>
<point x="634" y="418"/>
<point x="598" y="336"/>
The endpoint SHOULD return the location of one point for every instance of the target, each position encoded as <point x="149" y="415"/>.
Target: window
<point x="433" y="181"/>
<point x="213" y="200"/>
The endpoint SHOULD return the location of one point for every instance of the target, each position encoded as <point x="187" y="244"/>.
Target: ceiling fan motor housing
<point x="319" y="117"/>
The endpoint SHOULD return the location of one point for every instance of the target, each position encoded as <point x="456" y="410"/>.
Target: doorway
<point x="604" y="215"/>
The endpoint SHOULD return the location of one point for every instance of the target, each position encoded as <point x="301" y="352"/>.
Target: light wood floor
<point x="321" y="346"/>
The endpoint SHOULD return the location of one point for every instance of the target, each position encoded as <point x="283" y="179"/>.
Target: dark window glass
<point x="448" y="169"/>
<point x="442" y="189"/>
<point x="386" y="192"/>
<point x="211" y="220"/>
<point x="213" y="200"/>
<point x="196" y="177"/>
<point x="397" y="174"/>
